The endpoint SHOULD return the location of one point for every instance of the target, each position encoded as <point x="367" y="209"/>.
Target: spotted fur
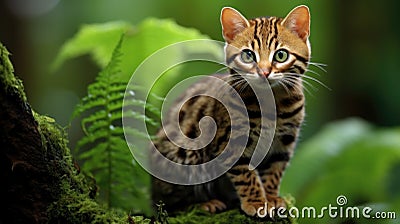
<point x="271" y="49"/>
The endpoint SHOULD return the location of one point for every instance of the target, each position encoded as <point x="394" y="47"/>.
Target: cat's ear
<point x="298" y="21"/>
<point x="232" y="23"/>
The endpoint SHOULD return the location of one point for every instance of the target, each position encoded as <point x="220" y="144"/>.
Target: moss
<point x="7" y="77"/>
<point x="76" y="195"/>
<point x="76" y="207"/>
<point x="36" y="147"/>
<point x="196" y="215"/>
<point x="228" y="217"/>
<point x="75" y="192"/>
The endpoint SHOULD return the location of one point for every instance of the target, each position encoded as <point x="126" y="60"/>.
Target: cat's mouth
<point x="273" y="78"/>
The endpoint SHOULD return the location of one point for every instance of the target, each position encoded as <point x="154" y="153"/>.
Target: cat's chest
<point x="236" y="116"/>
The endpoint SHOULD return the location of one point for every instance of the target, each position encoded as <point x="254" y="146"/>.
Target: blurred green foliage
<point x="140" y="41"/>
<point x="350" y="158"/>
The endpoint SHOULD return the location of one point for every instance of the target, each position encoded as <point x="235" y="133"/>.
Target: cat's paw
<point x="251" y="208"/>
<point x="276" y="202"/>
<point x="213" y="206"/>
<point x="264" y="209"/>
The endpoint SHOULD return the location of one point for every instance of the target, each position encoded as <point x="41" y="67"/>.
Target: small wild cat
<point x="271" y="49"/>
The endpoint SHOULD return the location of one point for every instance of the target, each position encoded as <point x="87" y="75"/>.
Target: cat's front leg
<point x="271" y="175"/>
<point x="248" y="187"/>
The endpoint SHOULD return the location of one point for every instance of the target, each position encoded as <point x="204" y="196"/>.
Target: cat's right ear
<point x="298" y="21"/>
<point x="232" y="23"/>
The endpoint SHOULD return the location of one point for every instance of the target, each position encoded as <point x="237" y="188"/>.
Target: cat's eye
<point x="248" y="56"/>
<point x="281" y="55"/>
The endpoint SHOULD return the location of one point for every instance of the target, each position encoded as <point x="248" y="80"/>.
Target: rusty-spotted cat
<point x="270" y="49"/>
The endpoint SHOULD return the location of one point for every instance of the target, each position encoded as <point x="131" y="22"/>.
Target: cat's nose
<point x="265" y="72"/>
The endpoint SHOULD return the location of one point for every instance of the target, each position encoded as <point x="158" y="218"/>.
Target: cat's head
<point x="267" y="47"/>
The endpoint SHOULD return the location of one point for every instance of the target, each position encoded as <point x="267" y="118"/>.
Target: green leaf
<point x="349" y="158"/>
<point x="99" y="148"/>
<point x="96" y="39"/>
<point x="310" y="157"/>
<point x="140" y="41"/>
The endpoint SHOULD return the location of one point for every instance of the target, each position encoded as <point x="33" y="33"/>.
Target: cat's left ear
<point x="298" y="21"/>
<point x="232" y="23"/>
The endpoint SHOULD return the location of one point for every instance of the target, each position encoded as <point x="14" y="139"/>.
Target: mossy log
<point x="40" y="181"/>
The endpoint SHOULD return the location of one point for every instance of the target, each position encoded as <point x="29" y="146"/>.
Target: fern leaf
<point x="97" y="125"/>
<point x="103" y="148"/>
<point x="90" y="153"/>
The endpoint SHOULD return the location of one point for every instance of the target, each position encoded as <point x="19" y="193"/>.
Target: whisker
<point x="315" y="89"/>
<point x="240" y="82"/>
<point x="232" y="81"/>
<point x="233" y="78"/>
<point x="298" y="79"/>
<point x="317" y="81"/>
<point x="309" y="85"/>
<point x="295" y="81"/>
<point x="312" y="71"/>
<point x="318" y="65"/>
<point x="237" y="81"/>
<point x="244" y="85"/>
<point x="282" y="83"/>
<point x="295" y="75"/>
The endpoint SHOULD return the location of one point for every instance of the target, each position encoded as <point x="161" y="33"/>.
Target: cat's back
<point x="182" y="122"/>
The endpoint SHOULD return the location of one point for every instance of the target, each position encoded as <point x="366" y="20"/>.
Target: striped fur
<point x="261" y="39"/>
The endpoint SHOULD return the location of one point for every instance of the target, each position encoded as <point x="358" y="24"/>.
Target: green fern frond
<point x="122" y="182"/>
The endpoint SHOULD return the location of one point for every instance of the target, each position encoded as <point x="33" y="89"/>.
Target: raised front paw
<point x="251" y="208"/>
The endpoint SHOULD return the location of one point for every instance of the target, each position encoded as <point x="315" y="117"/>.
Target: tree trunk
<point x="40" y="183"/>
<point x="26" y="192"/>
